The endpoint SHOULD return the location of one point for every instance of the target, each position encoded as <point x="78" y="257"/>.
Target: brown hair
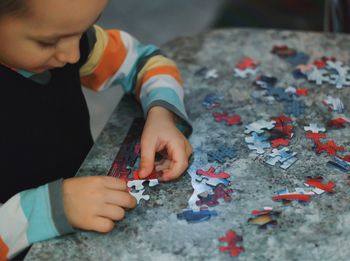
<point x="12" y="7"/>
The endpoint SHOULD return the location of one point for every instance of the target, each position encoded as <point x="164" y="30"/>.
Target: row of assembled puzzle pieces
<point x="278" y="131"/>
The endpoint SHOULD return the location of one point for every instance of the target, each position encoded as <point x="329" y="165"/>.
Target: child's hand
<point x="161" y="135"/>
<point x="94" y="203"/>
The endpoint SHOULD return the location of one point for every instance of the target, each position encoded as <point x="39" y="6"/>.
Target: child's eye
<point x="46" y="45"/>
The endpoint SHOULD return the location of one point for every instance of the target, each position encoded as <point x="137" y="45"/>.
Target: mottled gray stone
<point x="319" y="230"/>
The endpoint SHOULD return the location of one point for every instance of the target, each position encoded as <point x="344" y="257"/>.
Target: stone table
<point x="318" y="230"/>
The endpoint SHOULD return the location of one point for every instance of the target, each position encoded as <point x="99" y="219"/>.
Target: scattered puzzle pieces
<point x="284" y="156"/>
<point x="334" y="104"/>
<point x="294" y="107"/>
<point x="213" y="199"/>
<point x="259" y="126"/>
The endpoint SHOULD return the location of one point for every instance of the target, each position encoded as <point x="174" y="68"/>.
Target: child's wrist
<point x="158" y="111"/>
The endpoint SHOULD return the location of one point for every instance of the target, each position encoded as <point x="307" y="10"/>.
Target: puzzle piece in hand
<point x="330" y="147"/>
<point x="338" y="123"/>
<point x="259" y="126"/>
<point x="279" y="93"/>
<point x="138" y="184"/>
<point x="294" y="107"/>
<point x="257" y="142"/>
<point x="192" y="216"/>
<point x="341" y="77"/>
<point x="319" y="76"/>
<point x="221" y="154"/>
<point x="298" y="58"/>
<point x="139" y="195"/>
<point x="317" y="183"/>
<point x="212" y="100"/>
<point x="264" y="81"/>
<point x="245" y="73"/>
<point x="314" y="128"/>
<point x="213" y="199"/>
<point x="334" y="104"/>
<point x="229" y="120"/>
<point x="340" y="163"/>
<point x="231" y="239"/>
<point x="211" y="173"/>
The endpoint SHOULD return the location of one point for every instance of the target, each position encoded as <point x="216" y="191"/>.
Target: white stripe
<point x="13" y="225"/>
<point x="130" y="44"/>
<point x="161" y="81"/>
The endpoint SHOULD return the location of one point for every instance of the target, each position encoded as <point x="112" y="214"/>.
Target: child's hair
<point x="12" y="7"/>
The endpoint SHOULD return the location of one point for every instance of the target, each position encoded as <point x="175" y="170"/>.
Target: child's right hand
<point x="94" y="203"/>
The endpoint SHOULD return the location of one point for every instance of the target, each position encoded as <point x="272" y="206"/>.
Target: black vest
<point x="44" y="129"/>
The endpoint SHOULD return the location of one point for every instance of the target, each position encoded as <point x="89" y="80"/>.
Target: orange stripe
<point x="111" y="60"/>
<point x="166" y="69"/>
<point x="3" y="250"/>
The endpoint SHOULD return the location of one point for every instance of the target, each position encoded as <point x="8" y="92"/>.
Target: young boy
<point x="48" y="48"/>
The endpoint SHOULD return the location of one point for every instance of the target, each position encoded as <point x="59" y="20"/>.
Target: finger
<point x="164" y="164"/>
<point x="179" y="163"/>
<point x="102" y="224"/>
<point x="112" y="212"/>
<point x="115" y="183"/>
<point x="120" y="198"/>
<point x="148" y="151"/>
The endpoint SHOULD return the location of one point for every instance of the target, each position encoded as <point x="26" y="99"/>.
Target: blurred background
<point x="159" y="21"/>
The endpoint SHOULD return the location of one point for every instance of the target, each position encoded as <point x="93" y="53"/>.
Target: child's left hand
<point x="161" y="135"/>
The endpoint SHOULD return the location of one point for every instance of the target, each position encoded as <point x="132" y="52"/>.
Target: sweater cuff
<point x="57" y="211"/>
<point x="168" y="99"/>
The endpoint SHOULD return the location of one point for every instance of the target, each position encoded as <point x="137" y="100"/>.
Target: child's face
<point x="48" y="36"/>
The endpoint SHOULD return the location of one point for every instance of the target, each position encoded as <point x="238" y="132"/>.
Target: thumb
<point x="147" y="159"/>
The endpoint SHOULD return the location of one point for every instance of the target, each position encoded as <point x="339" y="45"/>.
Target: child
<point x="48" y="48"/>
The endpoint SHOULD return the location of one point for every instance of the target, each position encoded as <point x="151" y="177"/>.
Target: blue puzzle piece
<point x="294" y="107"/>
<point x="297" y="74"/>
<point x="221" y="154"/>
<point x="298" y="58"/>
<point x="339" y="163"/>
<point x="279" y="93"/>
<point x="196" y="216"/>
<point x="212" y="100"/>
<point x="264" y="81"/>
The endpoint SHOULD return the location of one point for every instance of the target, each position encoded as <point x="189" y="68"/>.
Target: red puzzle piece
<point x="231" y="239"/>
<point x="321" y="63"/>
<point x="213" y="200"/>
<point x="316" y="136"/>
<point x="317" y="183"/>
<point x="337" y="123"/>
<point x="211" y="173"/>
<point x="302" y="92"/>
<point x="229" y="120"/>
<point x="330" y="147"/>
<point x="289" y="197"/>
<point x="246" y="63"/>
<point x="279" y="142"/>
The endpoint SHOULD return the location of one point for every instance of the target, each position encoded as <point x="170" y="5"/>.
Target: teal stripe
<point x="128" y="82"/>
<point x="25" y="74"/>
<point x="163" y="94"/>
<point x="36" y="207"/>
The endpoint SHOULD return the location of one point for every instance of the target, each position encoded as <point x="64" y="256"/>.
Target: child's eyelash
<point x="46" y="45"/>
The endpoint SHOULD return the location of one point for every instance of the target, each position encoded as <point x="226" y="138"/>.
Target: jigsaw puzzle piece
<point x="313" y="127"/>
<point x="192" y="216"/>
<point x="231" y="238"/>
<point x="139" y="195"/>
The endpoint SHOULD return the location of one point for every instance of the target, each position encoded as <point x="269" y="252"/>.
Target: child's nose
<point x="69" y="52"/>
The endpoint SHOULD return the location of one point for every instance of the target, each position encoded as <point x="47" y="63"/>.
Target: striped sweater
<point x="116" y="59"/>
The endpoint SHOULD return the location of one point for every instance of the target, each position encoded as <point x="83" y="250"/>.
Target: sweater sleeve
<point x="30" y="216"/>
<point x="117" y="58"/>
